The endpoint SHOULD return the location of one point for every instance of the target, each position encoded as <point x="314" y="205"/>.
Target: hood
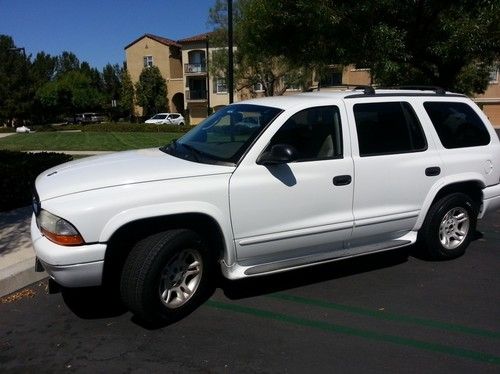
<point x="117" y="169"/>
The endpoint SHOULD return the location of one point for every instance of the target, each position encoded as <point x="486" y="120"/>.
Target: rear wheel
<point x="167" y="276"/>
<point x="449" y="226"/>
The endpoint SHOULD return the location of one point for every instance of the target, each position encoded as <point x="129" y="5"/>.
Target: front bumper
<point x="491" y="199"/>
<point x="78" y="266"/>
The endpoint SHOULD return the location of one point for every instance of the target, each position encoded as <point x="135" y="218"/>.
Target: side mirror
<point x="279" y="154"/>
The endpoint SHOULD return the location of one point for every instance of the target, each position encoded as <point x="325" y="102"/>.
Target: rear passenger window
<point x="388" y="128"/>
<point x="457" y="124"/>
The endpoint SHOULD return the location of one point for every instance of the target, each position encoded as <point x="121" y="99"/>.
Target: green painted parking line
<point x="387" y="316"/>
<point x="367" y="334"/>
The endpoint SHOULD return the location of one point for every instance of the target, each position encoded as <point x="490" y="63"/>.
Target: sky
<point x="98" y="30"/>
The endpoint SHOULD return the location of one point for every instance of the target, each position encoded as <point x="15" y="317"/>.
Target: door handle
<point x="342" y="180"/>
<point x="433" y="171"/>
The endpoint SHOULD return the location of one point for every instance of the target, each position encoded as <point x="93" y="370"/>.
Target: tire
<point x="181" y="124"/>
<point x="449" y="227"/>
<point x="167" y="276"/>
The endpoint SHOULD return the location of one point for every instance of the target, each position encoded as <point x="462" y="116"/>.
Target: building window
<point x="493" y="76"/>
<point x="148" y="61"/>
<point x="220" y="85"/>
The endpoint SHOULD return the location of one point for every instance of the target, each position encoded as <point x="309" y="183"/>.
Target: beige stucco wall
<point x="164" y="57"/>
<point x="490" y="102"/>
<point x="353" y="76"/>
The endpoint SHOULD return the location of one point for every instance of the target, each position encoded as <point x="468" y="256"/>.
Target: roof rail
<point x="436" y="89"/>
<point x="367" y="90"/>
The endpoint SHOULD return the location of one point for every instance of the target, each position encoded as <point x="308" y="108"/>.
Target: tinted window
<point x="457" y="125"/>
<point x="387" y="128"/>
<point x="314" y="132"/>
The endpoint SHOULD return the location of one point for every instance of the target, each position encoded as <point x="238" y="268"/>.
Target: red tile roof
<point x="159" y="39"/>
<point x="196" y="38"/>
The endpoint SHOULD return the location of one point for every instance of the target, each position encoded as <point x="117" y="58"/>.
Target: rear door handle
<point x="433" y="171"/>
<point x="342" y="180"/>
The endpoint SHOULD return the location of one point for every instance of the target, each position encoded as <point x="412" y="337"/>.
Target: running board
<point x="323" y="258"/>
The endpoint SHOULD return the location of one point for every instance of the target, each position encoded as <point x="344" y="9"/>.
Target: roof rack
<point x="367" y="90"/>
<point x="436" y="89"/>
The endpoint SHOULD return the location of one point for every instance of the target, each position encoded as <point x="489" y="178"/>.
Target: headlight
<point x="57" y="229"/>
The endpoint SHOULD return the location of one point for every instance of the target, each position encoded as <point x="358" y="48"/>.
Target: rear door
<point x="395" y="167"/>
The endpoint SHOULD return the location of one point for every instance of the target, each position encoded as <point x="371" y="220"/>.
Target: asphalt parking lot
<point x="393" y="312"/>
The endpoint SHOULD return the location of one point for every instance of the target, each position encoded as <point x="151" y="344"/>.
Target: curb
<point x="19" y="276"/>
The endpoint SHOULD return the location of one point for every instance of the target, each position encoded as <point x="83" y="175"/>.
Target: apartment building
<point x="194" y="92"/>
<point x="153" y="50"/>
<point x="204" y="93"/>
<point x="490" y="100"/>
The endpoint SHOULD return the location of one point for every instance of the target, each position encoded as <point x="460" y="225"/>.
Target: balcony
<point x="195" y="68"/>
<point x="196" y="95"/>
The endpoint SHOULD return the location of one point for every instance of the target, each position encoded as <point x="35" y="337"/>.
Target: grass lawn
<point x="86" y="141"/>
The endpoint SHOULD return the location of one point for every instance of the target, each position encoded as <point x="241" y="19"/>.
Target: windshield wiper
<point x="169" y="147"/>
<point x="197" y="154"/>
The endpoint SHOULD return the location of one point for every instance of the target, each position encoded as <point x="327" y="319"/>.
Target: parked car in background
<point x="23" y="129"/>
<point x="167" y="119"/>
<point x="82" y="118"/>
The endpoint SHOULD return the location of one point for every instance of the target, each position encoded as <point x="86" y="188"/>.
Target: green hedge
<point x="106" y="127"/>
<point x="18" y="171"/>
<point x="129" y="127"/>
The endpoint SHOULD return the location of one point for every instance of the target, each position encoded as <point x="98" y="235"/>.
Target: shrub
<point x="18" y="171"/>
<point x="7" y="129"/>
<point x="132" y="127"/>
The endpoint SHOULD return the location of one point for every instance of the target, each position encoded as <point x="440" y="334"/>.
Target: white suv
<point x="166" y="119"/>
<point x="269" y="185"/>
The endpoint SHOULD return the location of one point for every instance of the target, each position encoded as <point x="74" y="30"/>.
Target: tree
<point x="16" y="87"/>
<point x="127" y="102"/>
<point x="70" y="93"/>
<point x="151" y="91"/>
<point x="450" y="43"/>
<point x="272" y="72"/>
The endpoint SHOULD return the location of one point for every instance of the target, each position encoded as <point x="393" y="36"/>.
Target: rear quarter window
<point x="457" y="124"/>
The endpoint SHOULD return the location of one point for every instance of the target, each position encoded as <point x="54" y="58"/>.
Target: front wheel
<point x="449" y="226"/>
<point x="167" y="276"/>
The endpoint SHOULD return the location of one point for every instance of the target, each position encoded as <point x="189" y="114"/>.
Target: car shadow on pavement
<point x="258" y="286"/>
<point x="93" y="302"/>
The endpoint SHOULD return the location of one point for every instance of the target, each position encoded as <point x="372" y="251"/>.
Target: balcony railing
<point x="196" y="95"/>
<point x="195" y="68"/>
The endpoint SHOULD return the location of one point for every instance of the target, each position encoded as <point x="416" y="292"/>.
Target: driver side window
<point x="315" y="133"/>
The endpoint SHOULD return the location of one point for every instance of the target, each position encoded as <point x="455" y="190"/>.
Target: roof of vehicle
<point x="285" y="102"/>
<point x="165" y="114"/>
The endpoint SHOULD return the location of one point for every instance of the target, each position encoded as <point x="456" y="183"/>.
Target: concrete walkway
<point x="17" y="258"/>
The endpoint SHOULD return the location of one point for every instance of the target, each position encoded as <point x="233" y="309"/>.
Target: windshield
<point x="159" y="116"/>
<point x="226" y="134"/>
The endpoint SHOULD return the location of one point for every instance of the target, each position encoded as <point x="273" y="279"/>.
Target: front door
<point x="298" y="208"/>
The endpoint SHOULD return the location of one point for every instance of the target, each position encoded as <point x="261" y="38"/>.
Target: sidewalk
<point x="17" y="258"/>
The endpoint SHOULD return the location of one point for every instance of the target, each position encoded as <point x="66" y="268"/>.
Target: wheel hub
<point x="454" y="228"/>
<point x="180" y="278"/>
